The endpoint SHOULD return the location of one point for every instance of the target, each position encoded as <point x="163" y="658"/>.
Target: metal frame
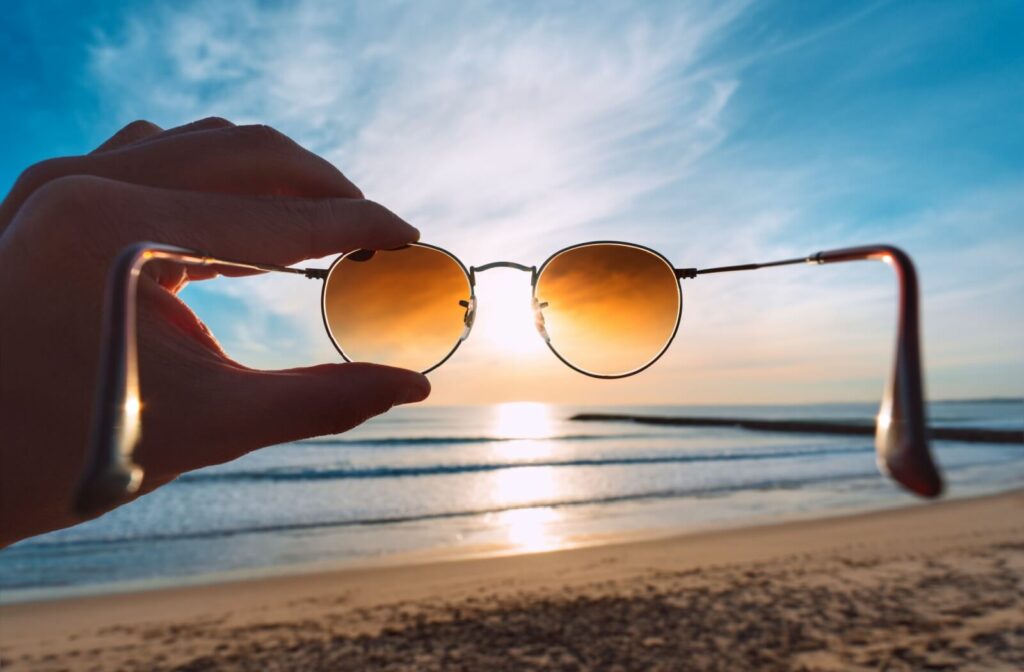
<point x="532" y="270"/>
<point x="470" y="308"/>
<point x="112" y="477"/>
<point x="675" y="329"/>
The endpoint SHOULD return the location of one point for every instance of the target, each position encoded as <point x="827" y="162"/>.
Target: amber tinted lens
<point x="397" y="307"/>
<point x="611" y="308"/>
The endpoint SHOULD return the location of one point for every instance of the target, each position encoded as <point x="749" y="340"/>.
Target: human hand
<point x="236" y="192"/>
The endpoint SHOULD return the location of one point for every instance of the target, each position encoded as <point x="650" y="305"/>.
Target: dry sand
<point x="936" y="587"/>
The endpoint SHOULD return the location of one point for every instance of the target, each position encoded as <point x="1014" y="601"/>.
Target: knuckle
<point x="69" y="193"/>
<point x="62" y="205"/>
<point x="39" y="174"/>
<point x="139" y="126"/>
<point x="263" y="136"/>
<point x="214" y="121"/>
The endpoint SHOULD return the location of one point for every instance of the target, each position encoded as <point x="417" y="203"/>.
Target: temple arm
<point x="111" y="476"/>
<point x="901" y="440"/>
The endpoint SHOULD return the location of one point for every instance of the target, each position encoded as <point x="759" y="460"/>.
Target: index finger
<point x="260" y="229"/>
<point x="211" y="155"/>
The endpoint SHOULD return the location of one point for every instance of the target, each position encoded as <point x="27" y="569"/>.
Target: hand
<point x="237" y="192"/>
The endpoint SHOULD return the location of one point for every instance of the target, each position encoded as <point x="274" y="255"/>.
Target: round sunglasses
<point x="607" y="309"/>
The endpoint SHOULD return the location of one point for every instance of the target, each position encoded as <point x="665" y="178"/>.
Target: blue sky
<point x="714" y="132"/>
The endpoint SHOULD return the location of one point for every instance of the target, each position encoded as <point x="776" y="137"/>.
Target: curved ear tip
<point x="903" y="454"/>
<point x="921" y="479"/>
<point x="928" y="487"/>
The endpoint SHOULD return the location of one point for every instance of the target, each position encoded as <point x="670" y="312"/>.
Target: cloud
<point x="508" y="130"/>
<point x="482" y="123"/>
<point x="497" y="130"/>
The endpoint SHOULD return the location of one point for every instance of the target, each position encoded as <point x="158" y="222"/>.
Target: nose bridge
<point x="471" y="305"/>
<point x="473" y="270"/>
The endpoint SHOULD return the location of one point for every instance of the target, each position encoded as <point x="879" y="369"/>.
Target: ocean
<point x="434" y="482"/>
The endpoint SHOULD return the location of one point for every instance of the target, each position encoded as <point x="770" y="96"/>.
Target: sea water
<point x="424" y="482"/>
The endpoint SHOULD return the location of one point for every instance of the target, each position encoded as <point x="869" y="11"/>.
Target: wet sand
<point x="937" y="587"/>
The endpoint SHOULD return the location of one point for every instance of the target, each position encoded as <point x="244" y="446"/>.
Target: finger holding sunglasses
<point x="203" y="408"/>
<point x="136" y="131"/>
<point x="140" y="132"/>
<point x="212" y="155"/>
<point x="264" y="230"/>
<point x="199" y="406"/>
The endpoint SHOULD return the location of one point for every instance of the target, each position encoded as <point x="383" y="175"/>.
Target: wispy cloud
<point x="510" y="130"/>
<point x="489" y="123"/>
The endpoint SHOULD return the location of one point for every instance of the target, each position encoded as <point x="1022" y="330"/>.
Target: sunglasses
<point x="606" y="309"/>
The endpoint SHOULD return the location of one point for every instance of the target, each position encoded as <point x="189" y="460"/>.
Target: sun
<point x="505" y="319"/>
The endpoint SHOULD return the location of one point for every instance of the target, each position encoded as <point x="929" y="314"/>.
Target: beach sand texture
<point x="936" y="587"/>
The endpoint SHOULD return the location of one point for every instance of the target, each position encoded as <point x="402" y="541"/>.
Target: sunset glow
<point x="523" y="420"/>
<point x="530" y="424"/>
<point x="505" y="317"/>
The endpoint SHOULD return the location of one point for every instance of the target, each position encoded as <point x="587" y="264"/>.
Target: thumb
<point x="263" y="408"/>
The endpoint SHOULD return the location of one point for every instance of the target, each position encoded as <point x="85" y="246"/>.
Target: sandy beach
<point x="937" y="587"/>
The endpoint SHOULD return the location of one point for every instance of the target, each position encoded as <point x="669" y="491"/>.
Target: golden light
<point x="523" y="420"/>
<point x="884" y="419"/>
<point x="530" y="423"/>
<point x="132" y="405"/>
<point x="132" y="418"/>
<point x="521" y="486"/>
<point x="505" y="317"/>
<point x="531" y="530"/>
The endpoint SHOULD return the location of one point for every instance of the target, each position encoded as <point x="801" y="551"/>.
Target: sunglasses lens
<point x="609" y="309"/>
<point x="404" y="307"/>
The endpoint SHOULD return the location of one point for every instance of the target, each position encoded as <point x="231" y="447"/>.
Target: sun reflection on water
<point x="523" y="420"/>
<point x="524" y="485"/>
<point x="531" y="530"/>
<point x="528" y="529"/>
<point x="531" y="426"/>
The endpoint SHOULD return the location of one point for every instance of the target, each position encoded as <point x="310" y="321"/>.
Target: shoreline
<point x="422" y="480"/>
<point x="459" y="552"/>
<point x="468" y="551"/>
<point x="231" y="621"/>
